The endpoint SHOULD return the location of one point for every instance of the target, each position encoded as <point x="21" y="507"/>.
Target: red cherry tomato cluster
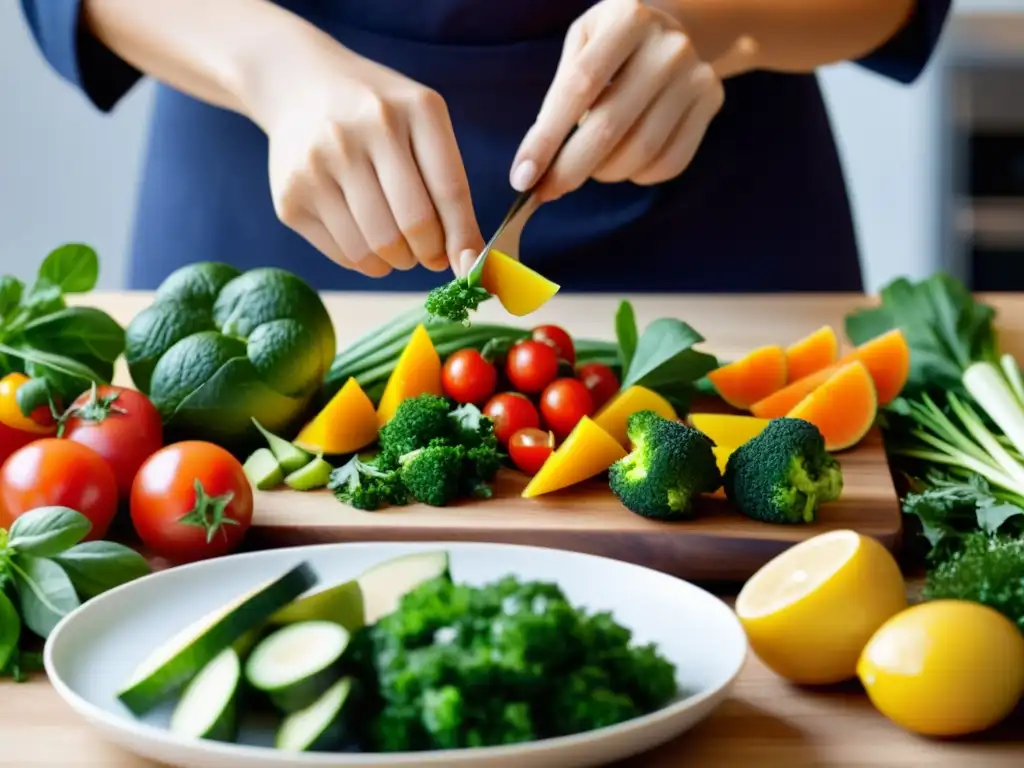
<point x="187" y="501"/>
<point x="536" y="396"/>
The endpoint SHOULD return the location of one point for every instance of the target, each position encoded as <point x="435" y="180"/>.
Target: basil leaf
<point x="32" y="394"/>
<point x="45" y="591"/>
<point x="10" y="294"/>
<point x="59" y="363"/>
<point x="10" y="629"/>
<point x="96" y="566"/>
<point x="664" y="355"/>
<point x="46" y="531"/>
<point x="42" y="299"/>
<point x="22" y="664"/>
<point x="77" y="331"/>
<point x="626" y="334"/>
<point x="74" y="268"/>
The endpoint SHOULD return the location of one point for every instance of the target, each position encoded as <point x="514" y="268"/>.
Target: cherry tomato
<point x="510" y="412"/>
<point x="121" y="425"/>
<point x="56" y="472"/>
<point x="531" y="366"/>
<point x="468" y="378"/>
<point x="563" y="404"/>
<point x="529" y="448"/>
<point x="12" y="439"/>
<point x="41" y="422"/>
<point x="191" y="501"/>
<point x="600" y="381"/>
<point x="557" y="338"/>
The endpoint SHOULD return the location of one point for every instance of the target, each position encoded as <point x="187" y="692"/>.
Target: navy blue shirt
<point x="763" y="207"/>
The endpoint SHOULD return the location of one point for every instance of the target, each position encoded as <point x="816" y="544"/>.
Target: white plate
<point x="94" y="649"/>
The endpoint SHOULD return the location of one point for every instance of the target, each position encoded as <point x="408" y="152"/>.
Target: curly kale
<point x="460" y="666"/>
<point x="454" y="301"/>
<point x="987" y="569"/>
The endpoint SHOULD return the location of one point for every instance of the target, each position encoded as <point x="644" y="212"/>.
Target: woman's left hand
<point x="632" y="81"/>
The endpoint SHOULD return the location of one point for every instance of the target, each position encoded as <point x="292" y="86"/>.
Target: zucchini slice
<point x="364" y="600"/>
<point x="208" y="707"/>
<point x="168" y="668"/>
<point x="322" y="726"/>
<point x="295" y="665"/>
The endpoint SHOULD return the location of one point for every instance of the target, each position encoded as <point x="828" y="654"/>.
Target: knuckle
<point x="287" y="206"/>
<point x="634" y="11"/>
<point x="604" y="129"/>
<point x="377" y="112"/>
<point x="580" y="83"/>
<point x="428" y="101"/>
<point x="676" y="47"/>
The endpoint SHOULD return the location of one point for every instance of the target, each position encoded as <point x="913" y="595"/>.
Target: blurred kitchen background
<point x="936" y="170"/>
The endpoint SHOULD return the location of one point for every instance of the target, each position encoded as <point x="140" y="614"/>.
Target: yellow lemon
<point x="809" y="612"/>
<point x="945" y="668"/>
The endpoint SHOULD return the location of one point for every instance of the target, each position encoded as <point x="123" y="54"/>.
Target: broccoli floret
<point x="669" y="466"/>
<point x="455" y="300"/>
<point x="783" y="474"/>
<point x="417" y="423"/>
<point x="433" y="475"/>
<point x="366" y="486"/>
<point x="987" y="569"/>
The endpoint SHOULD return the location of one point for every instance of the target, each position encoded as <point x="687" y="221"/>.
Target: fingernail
<point x="466" y="259"/>
<point x="523" y="175"/>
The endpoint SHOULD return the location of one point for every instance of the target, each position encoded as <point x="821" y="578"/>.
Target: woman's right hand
<point x="363" y="161"/>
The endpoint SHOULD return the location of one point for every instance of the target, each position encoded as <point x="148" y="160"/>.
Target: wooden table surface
<point x="766" y="722"/>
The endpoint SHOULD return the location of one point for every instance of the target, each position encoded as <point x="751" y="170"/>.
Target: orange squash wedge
<point x="346" y="424"/>
<point x="519" y="289"/>
<point x="614" y="415"/>
<point x="417" y="372"/>
<point x="727" y="429"/>
<point x="753" y="377"/>
<point x="812" y="353"/>
<point x="586" y="452"/>
<point x="843" y="408"/>
<point x="887" y="358"/>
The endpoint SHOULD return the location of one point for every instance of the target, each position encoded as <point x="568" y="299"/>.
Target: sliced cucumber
<point x="208" y="709"/>
<point x="179" y="659"/>
<point x="364" y="600"/>
<point x="323" y="725"/>
<point x="263" y="470"/>
<point x="295" y="665"/>
<point x="289" y="456"/>
<point x="315" y="474"/>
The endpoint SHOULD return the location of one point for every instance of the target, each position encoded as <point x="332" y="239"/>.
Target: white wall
<point x="68" y="173"/>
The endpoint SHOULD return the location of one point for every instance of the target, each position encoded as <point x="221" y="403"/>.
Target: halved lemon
<point x="810" y="611"/>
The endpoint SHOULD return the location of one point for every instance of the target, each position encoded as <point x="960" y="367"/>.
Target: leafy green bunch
<point x="46" y="571"/>
<point x="64" y="349"/>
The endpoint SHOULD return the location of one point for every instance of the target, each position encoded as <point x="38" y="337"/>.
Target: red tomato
<point x="191" y="501"/>
<point x="55" y="472"/>
<point x="121" y="425"/>
<point x="531" y="366"/>
<point x="12" y="439"/>
<point x="557" y="338"/>
<point x="564" y="403"/>
<point x="529" y="448"/>
<point x="510" y="412"/>
<point x="600" y="381"/>
<point x="468" y="378"/>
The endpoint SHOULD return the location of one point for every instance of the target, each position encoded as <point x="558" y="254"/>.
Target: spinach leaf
<point x="945" y="327"/>
<point x="45" y="592"/>
<point x="664" y="356"/>
<point x="96" y="566"/>
<point x="10" y="629"/>
<point x="626" y="334"/>
<point x="75" y="331"/>
<point x="47" y="531"/>
<point x="73" y="268"/>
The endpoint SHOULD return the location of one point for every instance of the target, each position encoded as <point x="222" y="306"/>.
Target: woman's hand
<point x="632" y="81"/>
<point x="364" y="163"/>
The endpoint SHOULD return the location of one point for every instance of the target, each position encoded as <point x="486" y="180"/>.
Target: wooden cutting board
<point x="720" y="545"/>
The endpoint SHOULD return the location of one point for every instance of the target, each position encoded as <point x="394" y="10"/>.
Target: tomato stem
<point x="96" y="409"/>
<point x="208" y="512"/>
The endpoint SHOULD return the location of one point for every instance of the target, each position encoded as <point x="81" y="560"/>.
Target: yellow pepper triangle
<point x="519" y="289"/>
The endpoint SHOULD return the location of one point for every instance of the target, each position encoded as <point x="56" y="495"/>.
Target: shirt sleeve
<point x="905" y="56"/>
<point x="76" y="54"/>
